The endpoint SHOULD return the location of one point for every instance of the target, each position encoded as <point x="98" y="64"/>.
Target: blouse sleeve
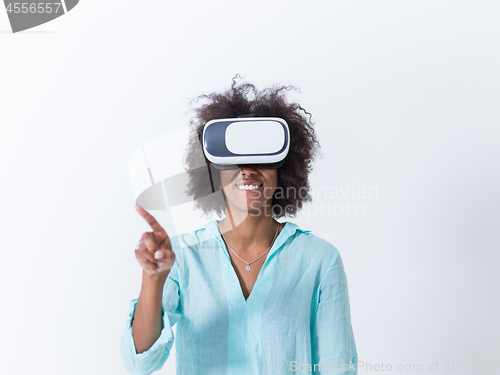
<point x="334" y="348"/>
<point x="153" y="359"/>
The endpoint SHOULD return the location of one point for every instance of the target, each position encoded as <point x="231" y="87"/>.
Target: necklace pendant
<point x="248" y="268"/>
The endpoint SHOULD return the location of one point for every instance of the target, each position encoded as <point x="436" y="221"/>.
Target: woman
<point x="250" y="295"/>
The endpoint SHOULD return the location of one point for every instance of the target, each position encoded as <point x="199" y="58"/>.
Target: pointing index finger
<point x="151" y="221"/>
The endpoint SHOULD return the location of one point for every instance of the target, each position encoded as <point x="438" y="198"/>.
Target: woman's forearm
<point x="147" y="322"/>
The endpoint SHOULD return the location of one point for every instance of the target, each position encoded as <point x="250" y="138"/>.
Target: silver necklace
<point x="244" y="261"/>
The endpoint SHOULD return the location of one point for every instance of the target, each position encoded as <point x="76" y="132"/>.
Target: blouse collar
<point x="212" y="230"/>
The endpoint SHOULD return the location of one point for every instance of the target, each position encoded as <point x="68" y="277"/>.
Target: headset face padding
<point x="235" y="166"/>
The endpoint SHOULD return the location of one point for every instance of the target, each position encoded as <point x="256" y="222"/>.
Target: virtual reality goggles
<point x="260" y="141"/>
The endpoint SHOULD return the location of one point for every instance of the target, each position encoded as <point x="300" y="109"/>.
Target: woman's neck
<point x="249" y="232"/>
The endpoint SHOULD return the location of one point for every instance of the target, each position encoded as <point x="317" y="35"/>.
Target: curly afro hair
<point x="271" y="102"/>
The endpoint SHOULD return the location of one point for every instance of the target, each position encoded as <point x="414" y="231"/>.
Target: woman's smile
<point x="247" y="187"/>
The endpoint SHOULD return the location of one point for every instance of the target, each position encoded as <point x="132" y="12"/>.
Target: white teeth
<point x="248" y="187"/>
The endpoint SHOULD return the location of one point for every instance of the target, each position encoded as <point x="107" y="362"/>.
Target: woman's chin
<point x="248" y="208"/>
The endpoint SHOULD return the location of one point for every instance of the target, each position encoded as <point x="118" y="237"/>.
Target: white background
<point x="405" y="96"/>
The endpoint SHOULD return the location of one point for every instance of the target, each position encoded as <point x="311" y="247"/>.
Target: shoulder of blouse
<point x="312" y="241"/>
<point x="301" y="238"/>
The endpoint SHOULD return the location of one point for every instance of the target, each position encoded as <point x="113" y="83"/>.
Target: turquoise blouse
<point x="296" y="319"/>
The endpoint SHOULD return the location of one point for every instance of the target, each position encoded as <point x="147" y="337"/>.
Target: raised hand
<point x="154" y="253"/>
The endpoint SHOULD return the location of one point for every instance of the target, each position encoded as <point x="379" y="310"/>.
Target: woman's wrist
<point x="154" y="280"/>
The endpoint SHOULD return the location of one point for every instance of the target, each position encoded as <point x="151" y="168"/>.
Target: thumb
<point x="159" y="254"/>
<point x="164" y="254"/>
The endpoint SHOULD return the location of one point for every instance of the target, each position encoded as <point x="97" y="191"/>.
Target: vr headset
<point x="261" y="141"/>
<point x="226" y="143"/>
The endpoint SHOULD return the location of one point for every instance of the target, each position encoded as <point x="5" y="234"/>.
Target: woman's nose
<point x="247" y="168"/>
